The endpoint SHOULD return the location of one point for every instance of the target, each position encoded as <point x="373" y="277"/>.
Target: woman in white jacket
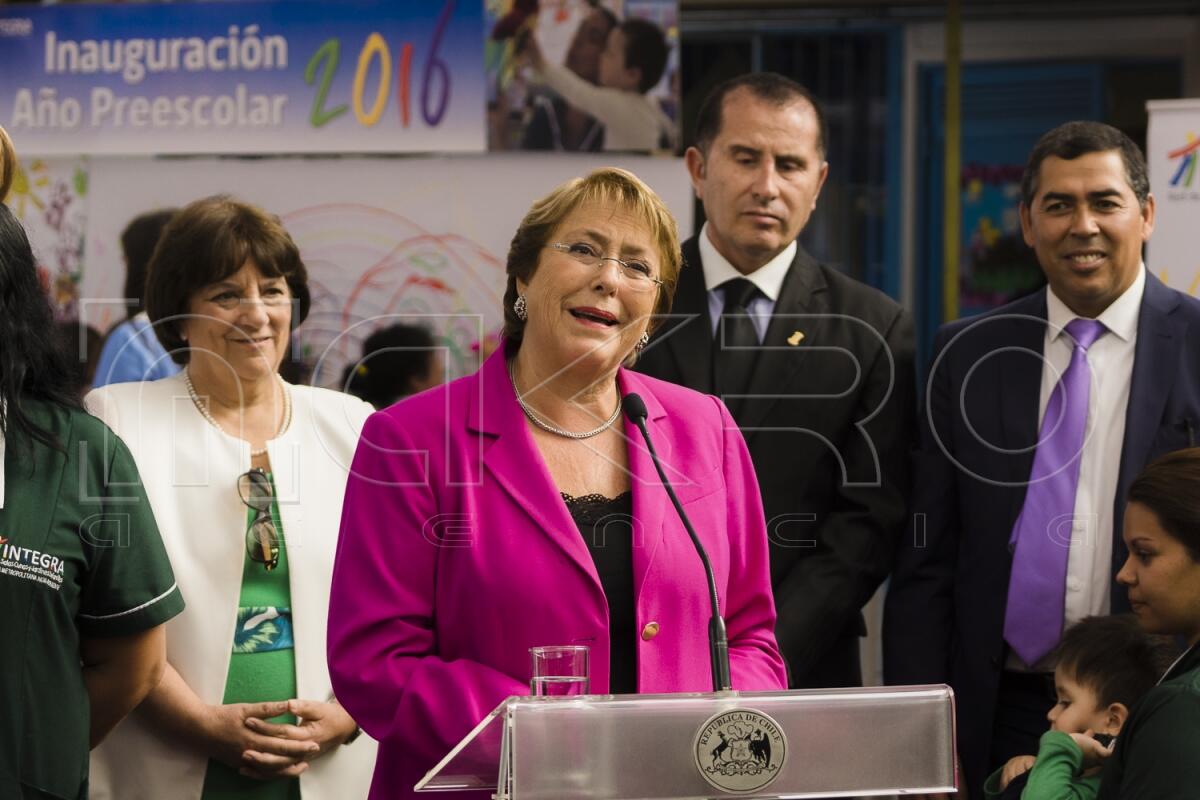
<point x="245" y="474"/>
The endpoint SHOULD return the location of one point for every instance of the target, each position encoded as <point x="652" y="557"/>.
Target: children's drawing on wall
<point x="370" y="269"/>
<point x="50" y="199"/>
<point x="997" y="266"/>
<point x="583" y="75"/>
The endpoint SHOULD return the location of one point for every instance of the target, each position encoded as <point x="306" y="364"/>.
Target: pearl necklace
<point x="546" y="426"/>
<point x="202" y="407"/>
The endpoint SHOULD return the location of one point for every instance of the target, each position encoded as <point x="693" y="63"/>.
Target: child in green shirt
<point x="1104" y="666"/>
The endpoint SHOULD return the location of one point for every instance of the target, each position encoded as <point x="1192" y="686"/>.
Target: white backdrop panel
<point x="385" y="240"/>
<point x="1173" y="155"/>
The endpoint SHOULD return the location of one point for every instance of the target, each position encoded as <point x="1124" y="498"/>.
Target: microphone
<point x="718" y="641"/>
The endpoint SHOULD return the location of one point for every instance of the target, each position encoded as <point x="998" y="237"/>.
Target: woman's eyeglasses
<point x="637" y="274"/>
<point x="262" y="540"/>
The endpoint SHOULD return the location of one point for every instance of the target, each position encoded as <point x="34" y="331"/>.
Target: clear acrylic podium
<point x="815" y="743"/>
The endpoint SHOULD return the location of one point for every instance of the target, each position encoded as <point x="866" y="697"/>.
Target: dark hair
<point x="1170" y="487"/>
<point x="1074" y="139"/>
<point x="80" y="345"/>
<point x="1114" y="657"/>
<point x="32" y="366"/>
<point x="645" y="49"/>
<point x="605" y="11"/>
<point x="207" y="242"/>
<point x="392" y="358"/>
<point x="770" y="87"/>
<point x="137" y="243"/>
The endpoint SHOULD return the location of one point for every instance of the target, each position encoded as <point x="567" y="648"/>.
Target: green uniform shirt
<point x="80" y="557"/>
<point x="1057" y="774"/>
<point x="1157" y="756"/>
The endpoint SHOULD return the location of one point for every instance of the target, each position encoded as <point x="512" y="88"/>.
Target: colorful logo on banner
<point x="1187" y="156"/>
<point x="252" y="77"/>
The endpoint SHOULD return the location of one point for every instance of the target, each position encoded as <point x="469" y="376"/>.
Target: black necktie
<point x="736" y="344"/>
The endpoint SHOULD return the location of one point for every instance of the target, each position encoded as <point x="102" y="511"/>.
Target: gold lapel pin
<point x="796" y="338"/>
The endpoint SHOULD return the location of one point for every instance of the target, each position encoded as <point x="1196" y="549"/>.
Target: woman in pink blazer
<point x="474" y="524"/>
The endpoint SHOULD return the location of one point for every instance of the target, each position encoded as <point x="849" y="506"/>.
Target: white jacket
<point x="190" y="471"/>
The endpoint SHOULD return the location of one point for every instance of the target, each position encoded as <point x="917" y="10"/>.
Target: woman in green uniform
<point x="246" y="474"/>
<point x="85" y="585"/>
<point x="1157" y="755"/>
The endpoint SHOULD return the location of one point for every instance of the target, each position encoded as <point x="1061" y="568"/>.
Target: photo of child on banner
<point x="583" y="75"/>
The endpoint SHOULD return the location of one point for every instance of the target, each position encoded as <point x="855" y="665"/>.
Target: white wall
<point x="399" y="239"/>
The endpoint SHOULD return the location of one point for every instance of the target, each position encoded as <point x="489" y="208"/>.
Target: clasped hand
<point x="242" y="738"/>
<point x="1094" y="753"/>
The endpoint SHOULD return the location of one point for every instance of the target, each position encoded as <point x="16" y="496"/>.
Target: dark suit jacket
<point x="829" y="430"/>
<point x="944" y="619"/>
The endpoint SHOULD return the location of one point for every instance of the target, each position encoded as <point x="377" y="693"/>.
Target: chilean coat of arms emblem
<point x="740" y="750"/>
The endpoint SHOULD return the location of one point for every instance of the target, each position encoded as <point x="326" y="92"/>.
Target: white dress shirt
<point x="768" y="278"/>
<point x="1089" y="560"/>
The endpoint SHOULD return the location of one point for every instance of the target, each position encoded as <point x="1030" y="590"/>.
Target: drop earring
<point x="521" y="308"/>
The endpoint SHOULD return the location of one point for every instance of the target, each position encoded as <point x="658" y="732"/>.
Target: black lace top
<point x="604" y="524"/>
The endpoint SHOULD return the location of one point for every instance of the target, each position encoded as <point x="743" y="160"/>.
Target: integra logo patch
<point x="31" y="565"/>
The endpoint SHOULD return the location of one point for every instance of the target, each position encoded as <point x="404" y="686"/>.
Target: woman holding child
<point x="1101" y="676"/>
<point x="1158" y="752"/>
<point x="1105" y="665"/>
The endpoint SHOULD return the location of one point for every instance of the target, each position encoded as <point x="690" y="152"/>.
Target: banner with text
<point x="252" y="77"/>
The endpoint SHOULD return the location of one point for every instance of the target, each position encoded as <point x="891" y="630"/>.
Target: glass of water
<point x="559" y="671"/>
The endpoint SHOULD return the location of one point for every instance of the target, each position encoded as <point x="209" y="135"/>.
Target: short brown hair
<point x="207" y="242"/>
<point x="768" y="87"/>
<point x="608" y="186"/>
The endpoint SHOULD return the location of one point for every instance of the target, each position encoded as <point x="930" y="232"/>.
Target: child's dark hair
<point x="645" y="48"/>
<point x="393" y="358"/>
<point x="1114" y="658"/>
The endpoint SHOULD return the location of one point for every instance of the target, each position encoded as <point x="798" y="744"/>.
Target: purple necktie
<point x="1033" y="619"/>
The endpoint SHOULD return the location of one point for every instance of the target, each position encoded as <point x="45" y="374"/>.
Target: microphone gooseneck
<point x="718" y="640"/>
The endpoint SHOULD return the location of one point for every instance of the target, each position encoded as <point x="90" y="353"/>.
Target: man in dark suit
<point x="1016" y="535"/>
<point x="816" y="368"/>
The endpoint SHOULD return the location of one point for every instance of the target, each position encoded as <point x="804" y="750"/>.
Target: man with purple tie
<point x="1038" y="415"/>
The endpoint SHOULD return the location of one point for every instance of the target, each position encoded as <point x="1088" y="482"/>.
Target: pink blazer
<point x="457" y="555"/>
